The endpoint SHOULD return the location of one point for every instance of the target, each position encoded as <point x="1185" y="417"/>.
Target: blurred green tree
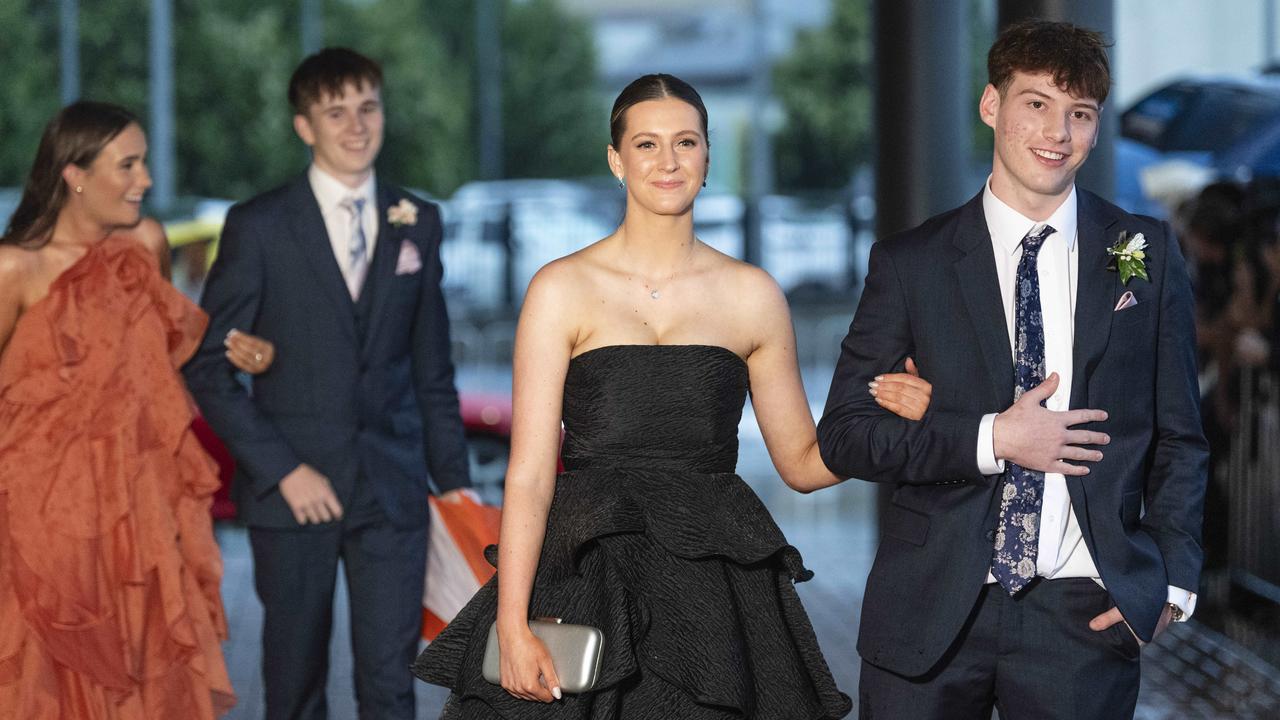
<point x="427" y="97"/>
<point x="233" y="59"/>
<point x="554" y="121"/>
<point x="824" y="87"/>
<point x="28" y="96"/>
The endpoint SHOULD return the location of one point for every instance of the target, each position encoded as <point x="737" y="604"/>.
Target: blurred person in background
<point x="109" y="573"/>
<point x="1212" y="228"/>
<point x="1256" y="282"/>
<point x="356" y="421"/>
<point x="1230" y="231"/>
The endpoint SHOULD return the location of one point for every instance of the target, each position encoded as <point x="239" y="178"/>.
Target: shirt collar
<point x="1008" y="226"/>
<point x="330" y="192"/>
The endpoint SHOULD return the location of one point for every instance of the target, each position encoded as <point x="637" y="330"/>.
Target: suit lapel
<point x="981" y="289"/>
<point x="309" y="231"/>
<point x="1097" y="292"/>
<point x="378" y="281"/>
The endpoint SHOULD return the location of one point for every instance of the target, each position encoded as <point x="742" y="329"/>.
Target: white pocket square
<point x="410" y="260"/>
<point x="1127" y="300"/>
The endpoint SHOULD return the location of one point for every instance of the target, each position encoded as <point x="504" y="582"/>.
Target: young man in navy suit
<point x="1046" y="510"/>
<point x="356" y="421"/>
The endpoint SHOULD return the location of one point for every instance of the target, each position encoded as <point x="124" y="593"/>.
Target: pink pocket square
<point x="410" y="261"/>
<point x="1127" y="300"/>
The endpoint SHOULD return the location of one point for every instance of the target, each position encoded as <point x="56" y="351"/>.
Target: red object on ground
<point x="223" y="507"/>
<point x="484" y="413"/>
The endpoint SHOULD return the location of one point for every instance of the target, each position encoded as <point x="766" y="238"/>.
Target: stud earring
<point x="79" y="189"/>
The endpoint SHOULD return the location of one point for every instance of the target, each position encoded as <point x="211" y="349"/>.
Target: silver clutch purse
<point x="576" y="651"/>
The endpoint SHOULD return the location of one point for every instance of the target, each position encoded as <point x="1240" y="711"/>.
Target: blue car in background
<point x="1218" y="128"/>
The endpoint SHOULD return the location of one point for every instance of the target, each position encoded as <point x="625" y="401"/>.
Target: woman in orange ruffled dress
<point x="109" y="573"/>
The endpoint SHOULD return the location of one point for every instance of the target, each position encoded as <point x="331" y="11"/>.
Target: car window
<point x="1187" y="117"/>
<point x="1220" y="119"/>
<point x="1147" y="121"/>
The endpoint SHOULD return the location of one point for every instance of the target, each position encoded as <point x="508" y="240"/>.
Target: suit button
<point x="991" y="535"/>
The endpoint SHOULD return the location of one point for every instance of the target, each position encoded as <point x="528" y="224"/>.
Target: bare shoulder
<point x="555" y="280"/>
<point x="752" y="288"/>
<point x="16" y="266"/>
<point x="150" y="233"/>
<point x="570" y="277"/>
<point x="748" y="299"/>
<point x="16" y="270"/>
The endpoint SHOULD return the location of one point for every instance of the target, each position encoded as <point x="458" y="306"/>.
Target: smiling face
<point x="662" y="155"/>
<point x="112" y="187"/>
<point x="344" y="132"/>
<point x="1043" y="135"/>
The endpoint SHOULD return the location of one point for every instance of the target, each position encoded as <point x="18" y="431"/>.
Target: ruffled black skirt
<point x="692" y="583"/>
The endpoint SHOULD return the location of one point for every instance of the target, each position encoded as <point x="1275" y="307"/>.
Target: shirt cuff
<point x="1184" y="599"/>
<point x="987" y="462"/>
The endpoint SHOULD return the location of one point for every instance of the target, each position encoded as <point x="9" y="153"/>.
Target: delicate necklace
<point x="655" y="291"/>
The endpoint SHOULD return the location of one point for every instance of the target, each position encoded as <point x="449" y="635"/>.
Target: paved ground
<point x="1190" y="672"/>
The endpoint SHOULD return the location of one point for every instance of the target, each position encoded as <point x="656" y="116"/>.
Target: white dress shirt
<point x="330" y="194"/>
<point x="1061" y="550"/>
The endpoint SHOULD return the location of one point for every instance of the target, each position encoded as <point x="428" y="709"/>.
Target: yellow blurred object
<point x="186" y="233"/>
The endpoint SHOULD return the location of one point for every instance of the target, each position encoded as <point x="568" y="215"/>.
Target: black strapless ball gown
<point x="653" y="538"/>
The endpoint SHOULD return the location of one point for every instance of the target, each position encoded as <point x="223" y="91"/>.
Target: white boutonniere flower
<point x="1130" y="257"/>
<point x="403" y="213"/>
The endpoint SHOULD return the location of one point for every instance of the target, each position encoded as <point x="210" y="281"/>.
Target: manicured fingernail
<point x="555" y="693"/>
<point x="874" y="383"/>
<point x="879" y="377"/>
<point x="874" y="392"/>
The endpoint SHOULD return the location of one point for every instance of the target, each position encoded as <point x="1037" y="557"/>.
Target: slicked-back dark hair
<point x="1076" y="57"/>
<point x="653" y="87"/>
<point x="75" y="136"/>
<point x="326" y="74"/>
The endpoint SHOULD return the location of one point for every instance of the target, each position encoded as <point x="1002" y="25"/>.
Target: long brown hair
<point x="74" y="136"/>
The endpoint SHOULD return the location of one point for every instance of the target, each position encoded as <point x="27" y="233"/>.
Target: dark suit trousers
<point x="294" y="573"/>
<point x="1032" y="657"/>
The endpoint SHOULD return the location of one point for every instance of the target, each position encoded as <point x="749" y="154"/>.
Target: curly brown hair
<point x="1075" y="56"/>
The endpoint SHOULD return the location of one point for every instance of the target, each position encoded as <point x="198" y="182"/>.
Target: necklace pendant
<point x="654" y="294"/>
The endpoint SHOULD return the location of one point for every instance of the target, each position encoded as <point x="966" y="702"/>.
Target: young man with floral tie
<point x="1045" y="514"/>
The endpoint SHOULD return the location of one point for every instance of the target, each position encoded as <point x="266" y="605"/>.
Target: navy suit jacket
<point x="361" y="391"/>
<point x="932" y="293"/>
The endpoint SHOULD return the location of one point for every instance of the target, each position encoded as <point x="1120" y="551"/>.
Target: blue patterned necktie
<point x="357" y="246"/>
<point x="1021" y="490"/>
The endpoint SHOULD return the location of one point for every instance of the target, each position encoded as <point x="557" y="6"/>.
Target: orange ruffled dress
<point x="109" y="573"/>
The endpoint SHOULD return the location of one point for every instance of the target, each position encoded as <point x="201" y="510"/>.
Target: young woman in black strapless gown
<point x="645" y="344"/>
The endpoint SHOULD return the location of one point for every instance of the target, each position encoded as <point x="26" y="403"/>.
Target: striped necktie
<point x="357" y="247"/>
